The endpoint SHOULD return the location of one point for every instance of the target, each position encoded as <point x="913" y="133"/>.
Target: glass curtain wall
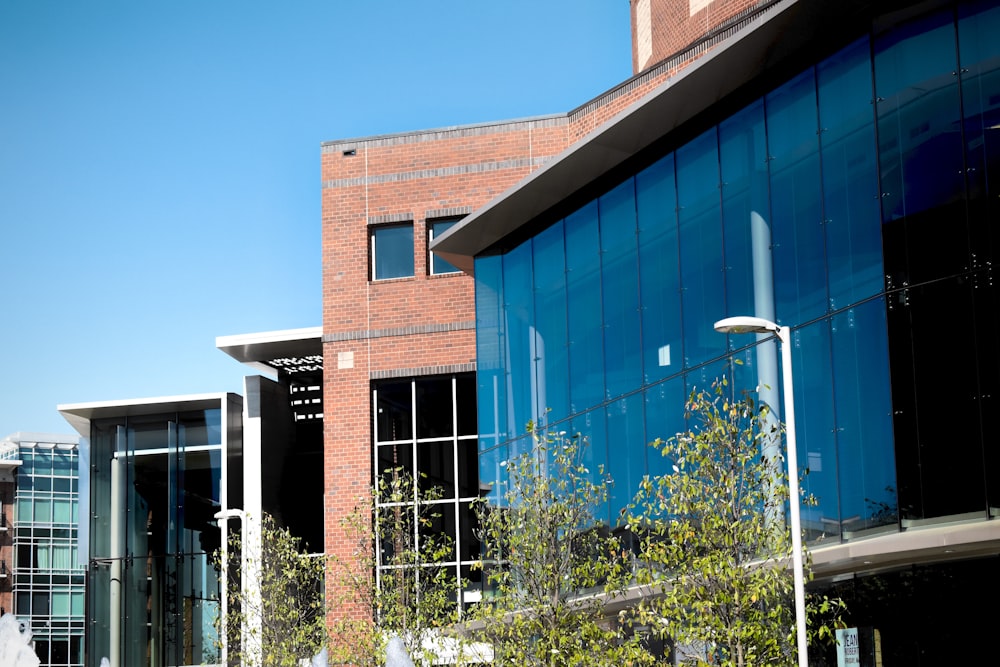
<point x="155" y="491"/>
<point x="812" y="207"/>
<point x="48" y="580"/>
<point x="426" y="427"/>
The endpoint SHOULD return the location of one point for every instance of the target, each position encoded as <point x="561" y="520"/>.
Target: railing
<point x="9" y="450"/>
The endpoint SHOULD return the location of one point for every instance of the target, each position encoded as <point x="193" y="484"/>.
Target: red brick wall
<point x="673" y="26"/>
<point x="418" y="325"/>
<point x="7" y="542"/>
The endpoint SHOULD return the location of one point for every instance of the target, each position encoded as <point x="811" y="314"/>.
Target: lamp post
<point x="741" y="325"/>
<point x="223" y="517"/>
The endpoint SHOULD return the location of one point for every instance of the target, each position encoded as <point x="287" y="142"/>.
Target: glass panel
<point x="979" y="53"/>
<point x="920" y="150"/>
<point x="935" y="442"/>
<point x="620" y="290"/>
<point x="550" y="355"/>
<point x="664" y="419"/>
<point x="77" y="604"/>
<point x="702" y="288"/>
<point x="40" y="604"/>
<point x="147" y="432"/>
<point x="591" y="426"/>
<point x="60" y="651"/>
<point x="814" y="420"/>
<point x="436" y="467"/>
<point x="63" y="462"/>
<point x="517" y="285"/>
<point x="43" y="510"/>
<point x="394" y="416"/>
<point x="392" y="250"/>
<point x="850" y="175"/>
<point x="62" y="511"/>
<point x="493" y="473"/>
<point x="201" y="427"/>
<point x="394" y="457"/>
<point x="491" y="395"/>
<point x="43" y="462"/>
<point x="468" y="469"/>
<point x="864" y="419"/>
<point x="435" y="408"/>
<point x="468" y="528"/>
<point x="628" y="464"/>
<point x="583" y="293"/>
<point x="437" y="228"/>
<point x="746" y="214"/>
<point x="60" y="603"/>
<point x="659" y="270"/>
<point x="465" y="403"/>
<point x="23" y="509"/>
<point x="796" y="229"/>
<point x="201" y="480"/>
<point x="441" y="521"/>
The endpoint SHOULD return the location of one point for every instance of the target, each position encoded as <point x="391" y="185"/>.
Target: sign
<point x="848" y="648"/>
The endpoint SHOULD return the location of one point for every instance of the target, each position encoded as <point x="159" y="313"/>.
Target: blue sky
<point x="159" y="164"/>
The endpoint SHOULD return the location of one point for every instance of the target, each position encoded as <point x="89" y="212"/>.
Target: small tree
<point x="554" y="570"/>
<point x="275" y="615"/>
<point x="714" y="546"/>
<point x="411" y="595"/>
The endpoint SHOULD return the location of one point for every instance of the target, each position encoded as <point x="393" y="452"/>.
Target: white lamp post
<point x="741" y="325"/>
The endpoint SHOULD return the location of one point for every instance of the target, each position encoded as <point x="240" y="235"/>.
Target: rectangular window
<point x="436" y="228"/>
<point x="392" y="251"/>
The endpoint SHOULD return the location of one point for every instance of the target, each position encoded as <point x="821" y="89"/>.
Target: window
<point x="392" y="251"/>
<point x="427" y="427"/>
<point x="435" y="229"/>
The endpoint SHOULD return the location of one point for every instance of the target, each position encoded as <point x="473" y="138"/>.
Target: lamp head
<point x="745" y="324"/>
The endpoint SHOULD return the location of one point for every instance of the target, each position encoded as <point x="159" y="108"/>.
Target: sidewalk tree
<point x="552" y="569"/>
<point x="275" y="612"/>
<point x="714" y="548"/>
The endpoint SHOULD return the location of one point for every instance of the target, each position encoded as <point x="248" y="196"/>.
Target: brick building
<point x="398" y="323"/>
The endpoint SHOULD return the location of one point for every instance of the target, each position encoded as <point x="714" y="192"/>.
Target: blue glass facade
<point x="854" y="202"/>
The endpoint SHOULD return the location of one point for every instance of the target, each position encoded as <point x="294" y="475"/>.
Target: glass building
<point x="170" y="479"/>
<point x="49" y="586"/>
<point x="834" y="170"/>
<point x="41" y="564"/>
<point x="160" y="471"/>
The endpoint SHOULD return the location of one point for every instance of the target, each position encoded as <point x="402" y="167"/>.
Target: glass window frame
<point x="407" y="269"/>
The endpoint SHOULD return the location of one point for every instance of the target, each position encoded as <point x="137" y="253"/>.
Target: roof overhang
<point x="79" y="415"/>
<point x="271" y="352"/>
<point x="791" y="28"/>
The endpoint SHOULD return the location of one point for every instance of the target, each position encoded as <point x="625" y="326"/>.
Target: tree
<point x="394" y="575"/>
<point x="275" y="614"/>
<point x="554" y="569"/>
<point x="714" y="548"/>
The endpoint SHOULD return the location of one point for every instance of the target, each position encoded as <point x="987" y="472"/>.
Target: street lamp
<point x="742" y="325"/>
